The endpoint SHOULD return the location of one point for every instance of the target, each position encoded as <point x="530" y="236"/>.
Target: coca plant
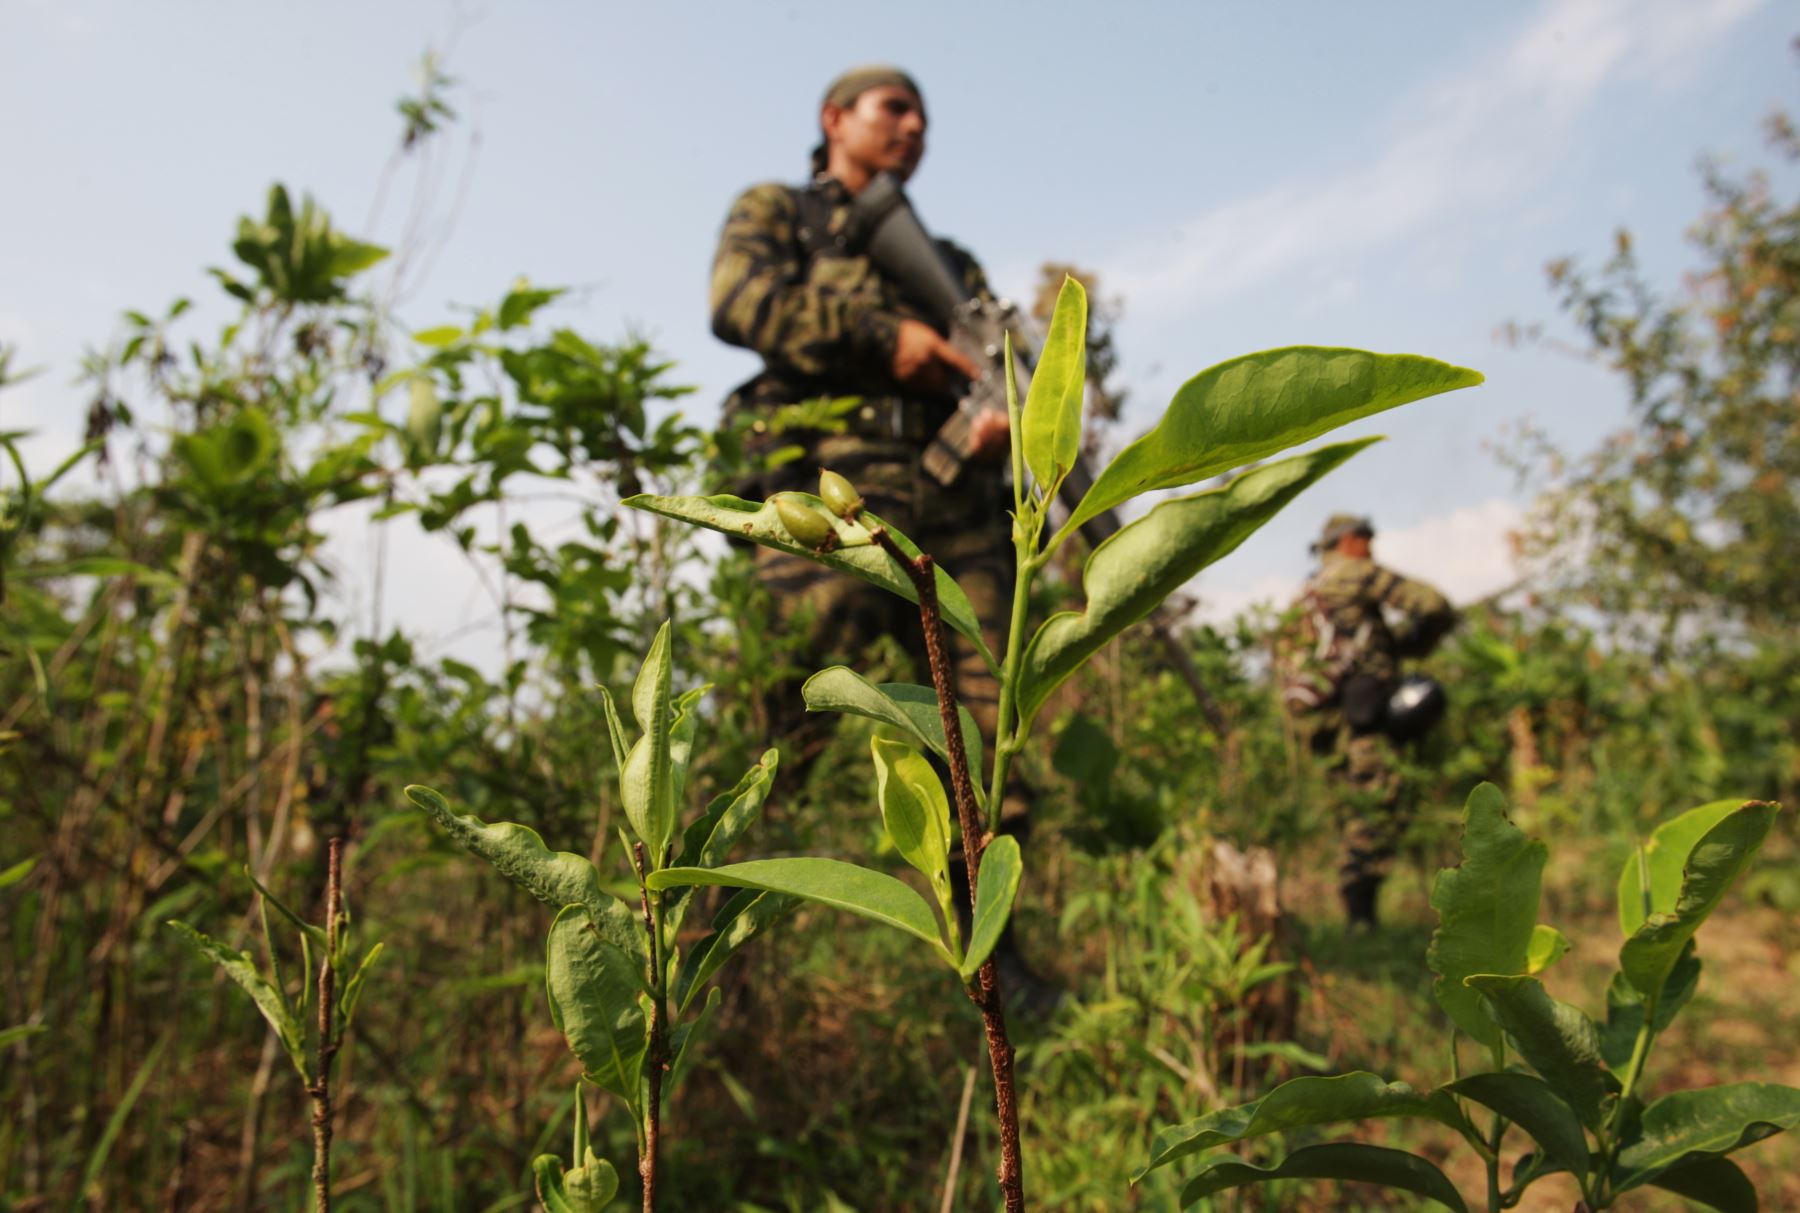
<point x="326" y="1004"/>
<point x="628" y="1000"/>
<point x="1232" y="415"/>
<point x="1568" y="1085"/>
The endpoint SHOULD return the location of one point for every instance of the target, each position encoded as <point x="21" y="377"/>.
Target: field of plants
<point x="298" y="912"/>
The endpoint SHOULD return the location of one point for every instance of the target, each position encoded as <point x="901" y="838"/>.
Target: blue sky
<point x="1246" y="175"/>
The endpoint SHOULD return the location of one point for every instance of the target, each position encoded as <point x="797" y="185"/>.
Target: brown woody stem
<point x="985" y="994"/>
<point x="320" y="1091"/>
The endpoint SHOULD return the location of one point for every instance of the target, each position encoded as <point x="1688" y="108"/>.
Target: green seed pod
<point x="839" y="496"/>
<point x="808" y="527"/>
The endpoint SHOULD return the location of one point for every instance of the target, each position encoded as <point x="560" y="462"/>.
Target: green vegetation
<point x="192" y="712"/>
<point x="1583" y="1077"/>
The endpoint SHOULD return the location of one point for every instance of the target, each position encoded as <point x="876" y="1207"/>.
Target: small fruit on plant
<point x="803" y="522"/>
<point x="839" y="496"/>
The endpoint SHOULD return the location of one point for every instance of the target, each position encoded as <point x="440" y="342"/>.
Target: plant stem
<point x="655" y="1061"/>
<point x="1009" y="676"/>
<point x="985" y="994"/>
<point x="1634" y="1069"/>
<point x="320" y="1091"/>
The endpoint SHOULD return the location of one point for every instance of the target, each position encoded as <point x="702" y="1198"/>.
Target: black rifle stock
<point x="885" y="226"/>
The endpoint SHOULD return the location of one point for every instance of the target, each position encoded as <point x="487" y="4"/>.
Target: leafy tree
<point x="1681" y="526"/>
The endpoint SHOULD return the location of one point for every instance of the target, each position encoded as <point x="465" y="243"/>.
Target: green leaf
<point x="1716" y="1183"/>
<point x="424" y="417"/>
<point x="1548" y="945"/>
<point x="353" y="256"/>
<point x="588" y="1187"/>
<point x="683" y="1039"/>
<point x="911" y="709"/>
<point x="1000" y="871"/>
<point x="861" y="891"/>
<point x="1558" y="1040"/>
<point x="1337" y="1160"/>
<point x="914" y="809"/>
<point x="241" y="969"/>
<point x="315" y="933"/>
<point x="1714" y="864"/>
<point x="1052" y="421"/>
<point x="758" y="522"/>
<point x="18" y="1032"/>
<point x="748" y="914"/>
<point x="1252" y="407"/>
<point x="517" y="853"/>
<point x="615" y="730"/>
<point x="1690" y="1126"/>
<point x="710" y="837"/>
<point x="18" y="871"/>
<point x="1626" y="1006"/>
<point x="1298" y="1103"/>
<point x="682" y="732"/>
<point x="593" y="989"/>
<point x="1487" y="907"/>
<point x="1662" y="859"/>
<point x="1530" y="1103"/>
<point x="353" y="988"/>
<point x="1130" y="574"/>
<point x="443" y="335"/>
<point x="645" y="784"/>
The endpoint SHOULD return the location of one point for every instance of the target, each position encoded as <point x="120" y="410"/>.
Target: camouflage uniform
<point x="825" y="321"/>
<point x="1352" y="596"/>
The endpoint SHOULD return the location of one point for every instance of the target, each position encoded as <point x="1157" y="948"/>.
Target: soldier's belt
<point x="896" y="418"/>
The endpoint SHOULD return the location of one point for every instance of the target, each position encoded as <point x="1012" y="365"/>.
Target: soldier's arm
<point x="761" y="298"/>
<point x="1429" y="615"/>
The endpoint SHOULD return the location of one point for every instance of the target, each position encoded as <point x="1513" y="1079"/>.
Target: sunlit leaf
<point x="1714" y="864"/>
<point x="862" y="891"/>
<point x="1255" y="406"/>
<point x="1662" y="859"/>
<point x="1131" y="573"/>
<point x="910" y="708"/>
<point x="1001" y="868"/>
<point x="1052" y="418"/>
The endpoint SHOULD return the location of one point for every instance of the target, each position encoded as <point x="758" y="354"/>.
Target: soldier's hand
<point x="922" y="359"/>
<point x="989" y="436"/>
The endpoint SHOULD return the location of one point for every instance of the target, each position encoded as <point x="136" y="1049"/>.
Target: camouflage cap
<point x="1339" y="525"/>
<point x="858" y="80"/>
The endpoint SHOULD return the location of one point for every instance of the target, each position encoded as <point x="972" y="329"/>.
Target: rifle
<point x="884" y="225"/>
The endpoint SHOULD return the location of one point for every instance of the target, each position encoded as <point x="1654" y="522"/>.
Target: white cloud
<point x="1225" y="604"/>
<point x="1466" y="553"/>
<point x="1483" y="134"/>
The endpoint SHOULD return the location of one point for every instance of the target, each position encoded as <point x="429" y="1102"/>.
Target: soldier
<point x="787" y="284"/>
<point x="1340" y="664"/>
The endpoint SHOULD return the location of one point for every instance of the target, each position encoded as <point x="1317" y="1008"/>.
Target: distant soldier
<point x="1340" y="667"/>
<point x="788" y="283"/>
